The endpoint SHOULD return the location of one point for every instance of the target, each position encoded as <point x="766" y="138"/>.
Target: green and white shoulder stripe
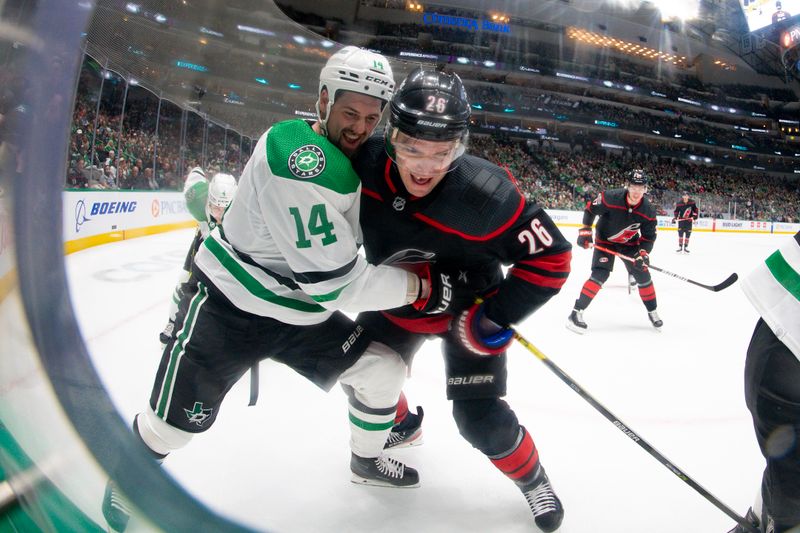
<point x="774" y="290"/>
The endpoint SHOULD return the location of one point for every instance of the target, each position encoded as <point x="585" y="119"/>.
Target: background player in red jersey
<point x="423" y="199"/>
<point x="685" y="214"/>
<point x="627" y="225"/>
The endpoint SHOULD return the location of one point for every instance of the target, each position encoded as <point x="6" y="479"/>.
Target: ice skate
<point x="655" y="319"/>
<point x="750" y="517"/>
<point x="382" y="471"/>
<point x="686" y="250"/>
<point x="545" y="505"/>
<point x="679" y="250"/>
<point x="116" y="509"/>
<point x="408" y="432"/>
<point x="575" y="322"/>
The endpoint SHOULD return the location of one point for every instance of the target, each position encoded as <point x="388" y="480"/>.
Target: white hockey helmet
<point x="357" y="70"/>
<point x="221" y="190"/>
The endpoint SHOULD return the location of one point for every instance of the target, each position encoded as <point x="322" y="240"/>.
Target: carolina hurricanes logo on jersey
<point x="598" y="200"/>
<point x="627" y="234"/>
<point x="687" y="213"/>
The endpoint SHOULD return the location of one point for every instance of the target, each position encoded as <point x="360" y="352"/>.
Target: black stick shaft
<point x="725" y="284"/>
<point x="632" y="435"/>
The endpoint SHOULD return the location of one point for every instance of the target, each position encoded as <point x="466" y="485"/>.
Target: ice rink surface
<point x="283" y="465"/>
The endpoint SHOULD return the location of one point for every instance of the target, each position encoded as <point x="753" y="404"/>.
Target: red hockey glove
<point x="642" y="260"/>
<point x="480" y="335"/>
<point x="446" y="294"/>
<point x="585" y="237"/>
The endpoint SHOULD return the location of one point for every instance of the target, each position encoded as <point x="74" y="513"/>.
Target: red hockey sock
<point x="402" y="408"/>
<point x="519" y="463"/>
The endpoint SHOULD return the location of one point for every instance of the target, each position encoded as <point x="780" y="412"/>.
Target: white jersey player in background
<point x="206" y="202"/>
<point x="273" y="279"/>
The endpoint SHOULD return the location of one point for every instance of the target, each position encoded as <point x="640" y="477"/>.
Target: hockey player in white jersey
<point x="273" y="279"/>
<point x="206" y="202"/>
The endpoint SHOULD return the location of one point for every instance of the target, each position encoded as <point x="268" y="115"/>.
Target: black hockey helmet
<point x="637" y="177"/>
<point x="431" y="105"/>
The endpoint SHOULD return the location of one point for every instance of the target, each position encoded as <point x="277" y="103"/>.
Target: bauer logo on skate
<point x="351" y="340"/>
<point x="470" y="380"/>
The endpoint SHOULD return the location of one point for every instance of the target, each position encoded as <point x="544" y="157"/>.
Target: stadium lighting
<point x="678" y="9"/>
<point x="326" y="43"/>
<point x="299" y="39"/>
<point x="132" y="8"/>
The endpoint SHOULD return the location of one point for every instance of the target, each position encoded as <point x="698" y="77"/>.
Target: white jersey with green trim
<point x="288" y="246"/>
<point x="774" y="290"/>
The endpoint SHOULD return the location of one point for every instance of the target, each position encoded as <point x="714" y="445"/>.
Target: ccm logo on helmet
<point x="376" y="80"/>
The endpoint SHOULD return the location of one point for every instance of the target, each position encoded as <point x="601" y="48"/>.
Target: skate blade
<point x="576" y="329"/>
<point x="358" y="480"/>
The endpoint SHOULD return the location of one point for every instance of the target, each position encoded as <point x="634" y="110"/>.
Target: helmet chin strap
<point x="323" y="122"/>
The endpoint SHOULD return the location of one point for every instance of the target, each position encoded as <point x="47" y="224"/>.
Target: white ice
<point x="283" y="464"/>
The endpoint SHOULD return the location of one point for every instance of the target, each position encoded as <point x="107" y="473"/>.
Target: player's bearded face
<point x="422" y="164"/>
<point x="353" y="118"/>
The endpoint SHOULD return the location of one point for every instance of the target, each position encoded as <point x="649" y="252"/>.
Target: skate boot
<point x="545" y="505"/>
<point x="408" y="432"/>
<point x="655" y="319"/>
<point x="686" y="249"/>
<point x="750" y="517"/>
<point x="679" y="250"/>
<point x="116" y="509"/>
<point x="382" y="471"/>
<point x="575" y="322"/>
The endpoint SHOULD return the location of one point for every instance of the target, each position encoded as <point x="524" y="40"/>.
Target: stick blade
<point x="727" y="283"/>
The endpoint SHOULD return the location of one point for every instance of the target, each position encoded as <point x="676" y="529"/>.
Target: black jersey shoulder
<point x="370" y="160"/>
<point x="477" y="200"/>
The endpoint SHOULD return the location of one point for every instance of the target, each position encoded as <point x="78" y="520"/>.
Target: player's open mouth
<point x="351" y="139"/>
<point x="420" y="180"/>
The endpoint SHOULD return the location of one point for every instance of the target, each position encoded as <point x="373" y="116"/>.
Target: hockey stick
<point x="632" y="435"/>
<point x="716" y="288"/>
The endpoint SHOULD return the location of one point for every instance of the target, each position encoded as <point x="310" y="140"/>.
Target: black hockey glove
<point x="446" y="293"/>
<point x="585" y="237"/>
<point x="480" y="335"/>
<point x="642" y="260"/>
<point x="166" y="335"/>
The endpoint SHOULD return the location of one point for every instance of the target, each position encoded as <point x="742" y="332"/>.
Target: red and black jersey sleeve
<point x="593" y="209"/>
<point x="539" y="256"/>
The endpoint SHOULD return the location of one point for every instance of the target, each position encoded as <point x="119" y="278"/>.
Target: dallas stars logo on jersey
<point x="307" y="161"/>
<point x="198" y="415"/>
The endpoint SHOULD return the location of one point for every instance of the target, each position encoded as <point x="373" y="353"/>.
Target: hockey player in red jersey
<point x="424" y="199"/>
<point x="627" y="225"/>
<point x="685" y="214"/>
